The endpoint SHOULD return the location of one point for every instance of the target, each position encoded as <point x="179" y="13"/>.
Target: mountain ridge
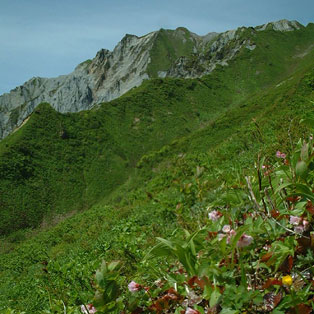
<point x="163" y="53"/>
<point x="94" y="151"/>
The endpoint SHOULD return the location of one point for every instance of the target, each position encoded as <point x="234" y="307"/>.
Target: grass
<point x="134" y="165"/>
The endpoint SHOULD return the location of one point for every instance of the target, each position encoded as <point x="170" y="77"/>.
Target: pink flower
<point x="245" y="240"/>
<point x="88" y="309"/>
<point x="305" y="224"/>
<point x="133" y="286"/>
<point x="226" y="228"/>
<point x="263" y="167"/>
<point x="231" y="234"/>
<point x="191" y="311"/>
<point x="214" y="215"/>
<point x="294" y="220"/>
<point x="299" y="229"/>
<point x="279" y="154"/>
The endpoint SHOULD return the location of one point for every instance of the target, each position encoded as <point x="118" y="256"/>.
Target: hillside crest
<point x="163" y="53"/>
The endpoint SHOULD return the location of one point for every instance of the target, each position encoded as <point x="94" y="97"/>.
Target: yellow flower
<point x="287" y="280"/>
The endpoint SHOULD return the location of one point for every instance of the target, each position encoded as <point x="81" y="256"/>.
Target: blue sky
<point x="50" y="37"/>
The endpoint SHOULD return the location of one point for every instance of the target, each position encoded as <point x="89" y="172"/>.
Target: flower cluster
<point x="227" y="232"/>
<point x="214" y="215"/>
<point x="279" y="154"/>
<point x="244" y="240"/>
<point x="300" y="224"/>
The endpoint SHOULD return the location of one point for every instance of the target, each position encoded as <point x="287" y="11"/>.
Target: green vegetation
<point x="154" y="163"/>
<point x="168" y="47"/>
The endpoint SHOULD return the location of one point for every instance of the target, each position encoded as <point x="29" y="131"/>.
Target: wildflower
<point x="287" y="280"/>
<point x="133" y="286"/>
<point x="300" y="225"/>
<point x="214" y="215"/>
<point x="88" y="309"/>
<point x="245" y="240"/>
<point x="228" y="232"/>
<point x="220" y="236"/>
<point x="231" y="234"/>
<point x="226" y="228"/>
<point x="305" y="224"/>
<point x="279" y="154"/>
<point x="191" y="311"/>
<point x="298" y="229"/>
<point x="294" y="220"/>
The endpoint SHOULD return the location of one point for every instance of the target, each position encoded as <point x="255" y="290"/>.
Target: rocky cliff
<point x="174" y="53"/>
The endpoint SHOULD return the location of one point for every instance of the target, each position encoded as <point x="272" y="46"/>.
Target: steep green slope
<point x="168" y="47"/>
<point x="57" y="163"/>
<point x="58" y="264"/>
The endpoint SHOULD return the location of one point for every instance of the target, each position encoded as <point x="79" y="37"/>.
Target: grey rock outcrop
<point x="282" y="26"/>
<point x="112" y="73"/>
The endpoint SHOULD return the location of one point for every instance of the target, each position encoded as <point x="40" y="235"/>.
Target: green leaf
<point x="301" y="169"/>
<point x="99" y="276"/>
<point x="304" y="152"/>
<point x="214" y="298"/>
<point x="228" y="311"/>
<point x="113" y="265"/>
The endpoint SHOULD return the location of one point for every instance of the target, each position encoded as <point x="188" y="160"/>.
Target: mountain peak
<point x="163" y="53"/>
<point x="281" y="25"/>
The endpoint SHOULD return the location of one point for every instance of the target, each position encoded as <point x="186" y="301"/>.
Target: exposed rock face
<point x="107" y="76"/>
<point x="282" y="26"/>
<point x="112" y="73"/>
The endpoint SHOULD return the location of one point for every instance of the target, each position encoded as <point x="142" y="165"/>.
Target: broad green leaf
<point x="214" y="297"/>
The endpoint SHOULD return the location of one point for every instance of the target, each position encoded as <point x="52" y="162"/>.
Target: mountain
<point x="56" y="164"/>
<point x="201" y="134"/>
<point x="164" y="53"/>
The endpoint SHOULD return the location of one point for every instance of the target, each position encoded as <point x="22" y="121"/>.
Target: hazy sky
<point x="50" y="37"/>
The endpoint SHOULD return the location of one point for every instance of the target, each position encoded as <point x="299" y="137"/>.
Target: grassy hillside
<point x="174" y="187"/>
<point x="168" y="47"/>
<point x="145" y="165"/>
<point x="57" y="164"/>
<point x="60" y="163"/>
